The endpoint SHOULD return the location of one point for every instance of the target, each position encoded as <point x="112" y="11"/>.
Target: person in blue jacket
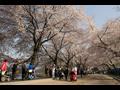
<point x="30" y="66"/>
<point x="30" y="70"/>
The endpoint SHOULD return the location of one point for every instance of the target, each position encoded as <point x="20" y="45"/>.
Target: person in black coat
<point x="24" y="71"/>
<point x="50" y="72"/>
<point x="46" y="70"/>
<point x="66" y="73"/>
<point x="60" y="73"/>
<point x="81" y="72"/>
<point x="14" y="68"/>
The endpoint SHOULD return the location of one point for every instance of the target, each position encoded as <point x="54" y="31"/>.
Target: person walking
<point x="61" y="73"/>
<point x="81" y="72"/>
<point x="3" y="68"/>
<point x="66" y="73"/>
<point x="24" y="71"/>
<point x="73" y="74"/>
<point x="50" y="72"/>
<point x="46" y="70"/>
<point x="53" y="72"/>
<point x="14" y="68"/>
<point x="30" y="71"/>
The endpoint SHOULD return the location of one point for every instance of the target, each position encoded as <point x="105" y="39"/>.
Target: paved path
<point x="96" y="79"/>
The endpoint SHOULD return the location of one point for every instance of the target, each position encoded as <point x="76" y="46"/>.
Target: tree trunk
<point x="55" y="62"/>
<point x="56" y="57"/>
<point x="34" y="55"/>
<point x="33" y="58"/>
<point x="67" y="65"/>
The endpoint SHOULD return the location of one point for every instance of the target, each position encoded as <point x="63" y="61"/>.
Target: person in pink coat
<point x="4" y="66"/>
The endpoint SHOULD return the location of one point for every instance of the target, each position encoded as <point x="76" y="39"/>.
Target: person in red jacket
<point x="4" y="66"/>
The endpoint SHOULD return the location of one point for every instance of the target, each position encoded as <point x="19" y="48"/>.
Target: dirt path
<point x="96" y="79"/>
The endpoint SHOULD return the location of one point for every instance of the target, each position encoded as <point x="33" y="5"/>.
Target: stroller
<point x="30" y="74"/>
<point x="73" y="76"/>
<point x="5" y="76"/>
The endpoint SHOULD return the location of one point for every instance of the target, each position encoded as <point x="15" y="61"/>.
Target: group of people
<point x="27" y="70"/>
<point x="61" y="73"/>
<point x="53" y="71"/>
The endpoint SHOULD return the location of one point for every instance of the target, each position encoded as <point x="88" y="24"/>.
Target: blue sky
<point x="102" y="13"/>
